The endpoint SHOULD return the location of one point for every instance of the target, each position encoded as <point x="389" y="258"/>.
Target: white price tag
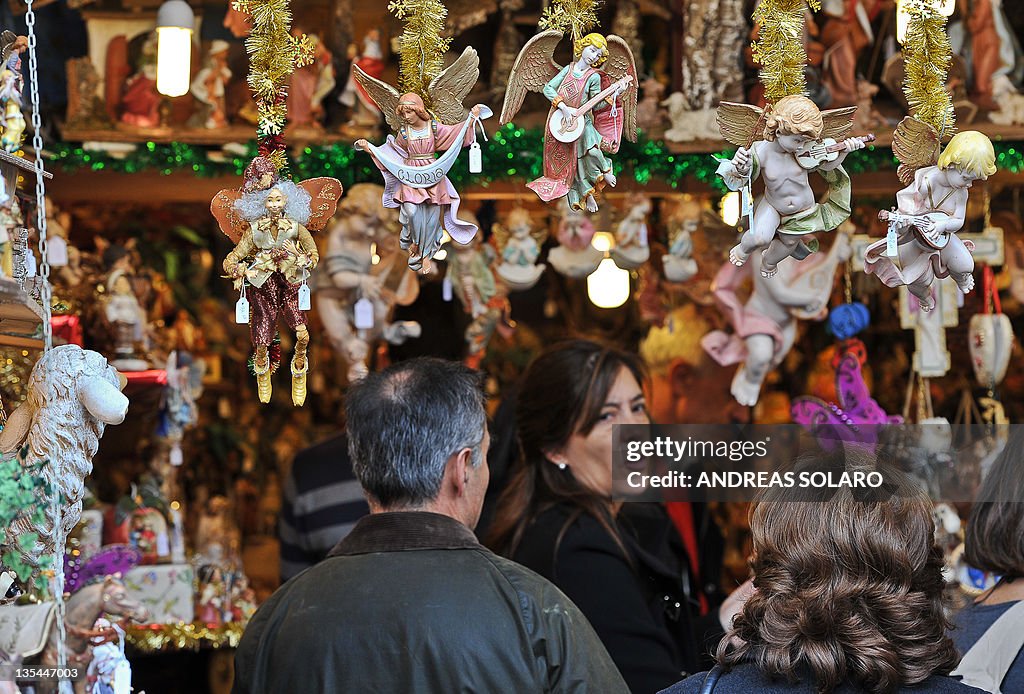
<point x="891" y="245"/>
<point x="163" y="545"/>
<point x="30" y="263"/>
<point x="57" y="251"/>
<point x="364" y="314"/>
<point x="643" y="235"/>
<point x="446" y="289"/>
<point x="476" y="160"/>
<point x="176" y="457"/>
<point x="242" y="310"/>
<point x="304" y="297"/>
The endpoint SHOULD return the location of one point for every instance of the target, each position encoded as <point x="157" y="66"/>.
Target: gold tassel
<point x="779" y="48"/>
<point x="577" y="17"/>
<point x="421" y="46"/>
<point x="926" y="60"/>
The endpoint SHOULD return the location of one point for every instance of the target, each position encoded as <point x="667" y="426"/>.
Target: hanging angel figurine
<point x="519" y="247"/>
<point x="270" y="220"/>
<point x="921" y="243"/>
<point x="593" y="103"/>
<point x="784" y="142"/>
<point x="631" y="249"/>
<point x="416" y="180"/>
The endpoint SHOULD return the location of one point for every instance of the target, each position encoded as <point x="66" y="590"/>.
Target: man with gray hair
<point x="409" y="601"/>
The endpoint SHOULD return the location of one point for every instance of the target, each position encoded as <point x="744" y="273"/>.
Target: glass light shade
<point x="608" y="285"/>
<point x="173" y="60"/>
<point x="602" y="241"/>
<point x="441" y="254"/>
<point x="730" y="208"/>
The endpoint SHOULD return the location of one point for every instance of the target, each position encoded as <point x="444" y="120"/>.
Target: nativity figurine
<point x="679" y="263"/>
<point x="364" y="112"/>
<point x="309" y="86"/>
<point x="482" y="297"/>
<point x="11" y="86"/>
<point x="632" y="248"/>
<point x="922" y="243"/>
<point x="140" y="101"/>
<point x="209" y="87"/>
<point x="574" y="256"/>
<point x="416" y="180"/>
<point x="519" y="248"/>
<point x="128" y="320"/>
<point x="593" y="104"/>
<point x="270" y="221"/>
<point x="784" y="143"/>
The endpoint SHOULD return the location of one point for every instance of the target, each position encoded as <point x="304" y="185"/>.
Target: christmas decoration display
<point x="593" y="103"/>
<point x="428" y="118"/>
<point x="519" y="248"/>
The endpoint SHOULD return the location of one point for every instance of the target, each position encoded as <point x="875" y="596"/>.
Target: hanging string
<point x="45" y="298"/>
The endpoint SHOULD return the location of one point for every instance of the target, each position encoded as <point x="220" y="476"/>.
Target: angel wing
<point x="223" y="209"/>
<point x="383" y="95"/>
<point x="740" y="124"/>
<point x="916" y="145"/>
<point x="324" y="194"/>
<point x="534" y="67"/>
<point x="448" y="89"/>
<point x="7" y="39"/>
<point x="619" y="64"/>
<point x="499" y="236"/>
<point x="837" y="122"/>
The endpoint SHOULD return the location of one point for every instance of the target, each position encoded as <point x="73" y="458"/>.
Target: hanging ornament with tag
<point x="242" y="308"/>
<point x="304" y="303"/>
<point x="363" y="310"/>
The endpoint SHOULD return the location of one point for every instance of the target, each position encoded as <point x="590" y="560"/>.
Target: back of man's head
<point x="406" y="421"/>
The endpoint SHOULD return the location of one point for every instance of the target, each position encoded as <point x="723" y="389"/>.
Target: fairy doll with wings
<point x="783" y="143"/>
<point x="416" y="181"/>
<point x="593" y="103"/>
<point x="922" y="243"/>
<point x="269" y="220"/>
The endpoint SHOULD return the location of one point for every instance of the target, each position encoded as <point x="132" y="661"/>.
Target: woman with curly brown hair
<point x="849" y="594"/>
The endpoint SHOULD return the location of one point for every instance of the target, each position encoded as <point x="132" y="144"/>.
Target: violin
<point x="825" y="151"/>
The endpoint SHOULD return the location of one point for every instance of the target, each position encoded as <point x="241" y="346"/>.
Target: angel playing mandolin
<point x="593" y="102"/>
<point x="416" y="182"/>
<point x="930" y="210"/>
<point x="783" y="144"/>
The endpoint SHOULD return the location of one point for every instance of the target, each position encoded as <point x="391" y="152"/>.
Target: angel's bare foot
<point x="591" y="204"/>
<point x="428" y="265"/>
<point x="768" y="269"/>
<point x="610" y="179"/>
<point x="745" y="391"/>
<point x="926" y="302"/>
<point x="736" y="255"/>
<point x="965" y="281"/>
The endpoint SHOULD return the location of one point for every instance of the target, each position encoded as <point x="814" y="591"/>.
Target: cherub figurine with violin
<point x="593" y="102"/>
<point x="783" y="143"/>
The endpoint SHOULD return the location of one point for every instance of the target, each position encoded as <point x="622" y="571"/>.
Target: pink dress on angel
<point x="424" y="212"/>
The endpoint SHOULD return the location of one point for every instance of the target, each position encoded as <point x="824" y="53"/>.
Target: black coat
<point x="640" y="607"/>
<point x="412" y="603"/>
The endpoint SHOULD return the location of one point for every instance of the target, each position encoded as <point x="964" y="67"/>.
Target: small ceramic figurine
<point x="371" y="62"/>
<point x="140" y="102"/>
<point x="11" y="86"/>
<point x="649" y="113"/>
<point x="1009" y="100"/>
<point x="845" y="33"/>
<point x="484" y="299"/>
<point x="356" y="305"/>
<point x="126" y="315"/>
<point x="269" y="220"/>
<point x="109" y="672"/>
<point x="416" y="183"/>
<point x="593" y="103"/>
<point x="309" y="85"/>
<point x="574" y="256"/>
<point x="209" y="85"/>
<point x="922" y="243"/>
<point x="684" y="220"/>
<point x="687" y="125"/>
<point x="212" y="595"/>
<point x="789" y="139"/>
<point x="632" y="249"/>
<point x="765" y="325"/>
<point x="519" y="247"/>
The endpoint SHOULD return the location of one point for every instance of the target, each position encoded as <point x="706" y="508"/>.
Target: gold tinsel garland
<point x="779" y="48"/>
<point x="421" y="46"/>
<point x="574" y="16"/>
<point x="151" y="638"/>
<point x="926" y="59"/>
<point x="273" y="55"/>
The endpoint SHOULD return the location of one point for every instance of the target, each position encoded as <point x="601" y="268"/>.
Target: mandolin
<point x="933" y="239"/>
<point x="571" y="129"/>
<point x="825" y="151"/>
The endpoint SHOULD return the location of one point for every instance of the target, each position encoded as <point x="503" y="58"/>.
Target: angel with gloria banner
<point x="782" y="143"/>
<point x="416" y="181"/>
<point x="593" y="103"/>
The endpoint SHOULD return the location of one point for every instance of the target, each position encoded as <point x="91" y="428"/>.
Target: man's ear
<point x="458" y="470"/>
<point x="680" y="376"/>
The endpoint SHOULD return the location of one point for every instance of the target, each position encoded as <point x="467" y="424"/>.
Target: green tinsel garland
<point x="512" y="154"/>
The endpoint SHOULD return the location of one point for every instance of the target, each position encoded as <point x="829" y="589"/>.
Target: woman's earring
<point x="561" y="466"/>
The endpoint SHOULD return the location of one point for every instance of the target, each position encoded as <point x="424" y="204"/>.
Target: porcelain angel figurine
<point x="270" y="221"/>
<point x="416" y="181"/>
<point x="574" y="256"/>
<point x="764" y="326"/>
<point x="482" y="297"/>
<point x="921" y="243"/>
<point x="209" y="86"/>
<point x="593" y="103"/>
<point x="11" y="85"/>
<point x="631" y="249"/>
<point x="519" y="247"/>
<point x="785" y="142"/>
<point x="679" y="263"/>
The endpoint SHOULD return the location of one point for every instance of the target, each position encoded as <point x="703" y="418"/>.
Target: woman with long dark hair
<point x="624" y="565"/>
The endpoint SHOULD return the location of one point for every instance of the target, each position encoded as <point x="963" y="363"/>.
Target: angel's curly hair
<point x="252" y="206"/>
<point x="849" y="588"/>
<point x="794" y="115"/>
<point x="596" y="40"/>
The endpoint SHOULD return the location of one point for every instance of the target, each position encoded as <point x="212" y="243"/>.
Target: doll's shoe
<point x="263" y="383"/>
<point x="299" y="384"/>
